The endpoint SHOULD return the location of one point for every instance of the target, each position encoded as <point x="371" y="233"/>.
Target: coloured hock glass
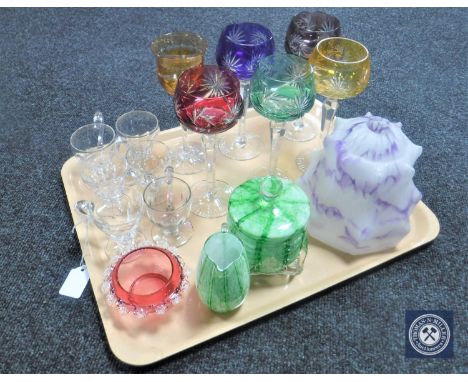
<point x="342" y="70"/>
<point x="207" y="100"/>
<point x="240" y="48"/>
<point x="282" y="90"/>
<point x="223" y="277"/>
<point x="305" y="30"/>
<point x="174" y="53"/>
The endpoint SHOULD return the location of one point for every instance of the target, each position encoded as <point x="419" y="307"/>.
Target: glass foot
<point x="210" y="203"/>
<point x="183" y="235"/>
<point x="230" y="146"/>
<point x="300" y="131"/>
<point x="189" y="161"/>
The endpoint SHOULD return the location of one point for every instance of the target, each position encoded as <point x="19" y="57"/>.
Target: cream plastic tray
<point x="140" y="342"/>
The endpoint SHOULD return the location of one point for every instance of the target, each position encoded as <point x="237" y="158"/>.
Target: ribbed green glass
<point x="223" y="277"/>
<point x="269" y="215"/>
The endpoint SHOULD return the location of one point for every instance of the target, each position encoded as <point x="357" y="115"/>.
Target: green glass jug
<point x="223" y="278"/>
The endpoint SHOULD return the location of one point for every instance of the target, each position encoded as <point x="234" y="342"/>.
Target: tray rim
<point x="172" y="133"/>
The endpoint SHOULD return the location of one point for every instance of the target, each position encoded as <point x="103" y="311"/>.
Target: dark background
<point x="57" y="66"/>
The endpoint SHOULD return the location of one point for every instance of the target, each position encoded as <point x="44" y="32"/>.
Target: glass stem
<point x="241" y="138"/>
<point x="298" y="124"/>
<point x="329" y="107"/>
<point x="184" y="141"/>
<point x="209" y="142"/>
<point x="277" y="130"/>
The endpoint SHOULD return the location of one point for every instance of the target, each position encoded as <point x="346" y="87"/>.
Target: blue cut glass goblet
<point x="240" y="48"/>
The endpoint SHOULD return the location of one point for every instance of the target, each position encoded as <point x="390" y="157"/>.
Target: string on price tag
<point x="77" y="278"/>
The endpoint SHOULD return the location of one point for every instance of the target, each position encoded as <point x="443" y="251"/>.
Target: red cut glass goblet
<point x="207" y="100"/>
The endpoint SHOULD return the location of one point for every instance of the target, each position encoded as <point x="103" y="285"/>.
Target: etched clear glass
<point x="117" y="218"/>
<point x="168" y="201"/>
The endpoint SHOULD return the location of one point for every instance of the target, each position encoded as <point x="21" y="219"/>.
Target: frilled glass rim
<point x="325" y="40"/>
<point x="140" y="311"/>
<point x="202" y="43"/>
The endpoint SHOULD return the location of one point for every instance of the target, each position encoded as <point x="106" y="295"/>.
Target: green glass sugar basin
<point x="267" y="256"/>
<point x="269" y="217"/>
<point x="223" y="273"/>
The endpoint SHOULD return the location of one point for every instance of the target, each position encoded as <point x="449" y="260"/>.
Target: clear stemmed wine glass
<point x="305" y="30"/>
<point x="282" y="90"/>
<point x="105" y="173"/>
<point x="174" y="53"/>
<point x="118" y="219"/>
<point x="149" y="164"/>
<point x="342" y="71"/>
<point x="207" y="100"/>
<point x="168" y="201"/>
<point x="240" y="48"/>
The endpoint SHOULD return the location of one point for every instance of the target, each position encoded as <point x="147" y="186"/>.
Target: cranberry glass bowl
<point x="145" y="280"/>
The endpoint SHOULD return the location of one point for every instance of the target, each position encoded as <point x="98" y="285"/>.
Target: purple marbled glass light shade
<point x="361" y="185"/>
<point x="242" y="46"/>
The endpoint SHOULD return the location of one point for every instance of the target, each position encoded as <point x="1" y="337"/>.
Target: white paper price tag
<point x="75" y="282"/>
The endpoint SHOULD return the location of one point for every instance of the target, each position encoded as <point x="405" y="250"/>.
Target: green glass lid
<point x="269" y="207"/>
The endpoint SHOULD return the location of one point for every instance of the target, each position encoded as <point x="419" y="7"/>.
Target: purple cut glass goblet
<point x="240" y="48"/>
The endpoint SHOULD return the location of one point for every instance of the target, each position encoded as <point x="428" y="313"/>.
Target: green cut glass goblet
<point x="282" y="90"/>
